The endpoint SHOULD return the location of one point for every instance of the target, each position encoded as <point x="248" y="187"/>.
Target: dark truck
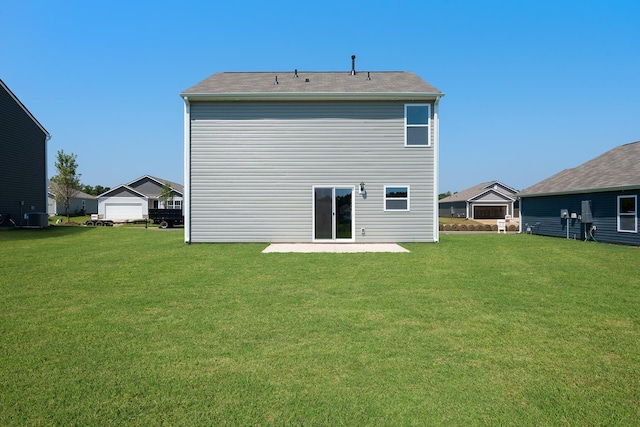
<point x="166" y="217"/>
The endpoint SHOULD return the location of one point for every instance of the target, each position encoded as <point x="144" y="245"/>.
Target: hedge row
<point x="474" y="227"/>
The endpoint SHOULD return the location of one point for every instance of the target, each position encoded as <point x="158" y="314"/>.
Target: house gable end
<point x="152" y="186"/>
<point x="24" y="109"/>
<point x="122" y="191"/>
<point x="498" y="186"/>
<point x="490" y="196"/>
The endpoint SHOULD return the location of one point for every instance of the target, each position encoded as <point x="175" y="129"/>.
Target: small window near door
<point x="396" y="198"/>
<point x="627" y="214"/>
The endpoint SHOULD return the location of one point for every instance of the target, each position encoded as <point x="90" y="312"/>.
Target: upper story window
<point x="417" y="129"/>
<point x="396" y="198"/>
<point x="628" y="214"/>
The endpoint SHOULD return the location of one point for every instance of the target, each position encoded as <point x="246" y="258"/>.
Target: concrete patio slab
<point x="333" y="247"/>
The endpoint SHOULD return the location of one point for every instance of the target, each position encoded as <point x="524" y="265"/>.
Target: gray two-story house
<point x="23" y="163"/>
<point x="311" y="157"/>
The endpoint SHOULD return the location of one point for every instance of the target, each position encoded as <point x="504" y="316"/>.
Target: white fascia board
<point x="310" y="96"/>
<point x="436" y="168"/>
<point x="119" y="187"/>
<point x="186" y="195"/>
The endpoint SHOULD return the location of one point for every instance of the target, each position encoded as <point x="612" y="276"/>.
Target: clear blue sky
<point x="531" y="87"/>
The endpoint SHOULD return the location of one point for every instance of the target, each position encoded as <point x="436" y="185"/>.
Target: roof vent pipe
<point x="353" y="65"/>
<point x="276" y="82"/>
<point x="295" y="73"/>
<point x="368" y="75"/>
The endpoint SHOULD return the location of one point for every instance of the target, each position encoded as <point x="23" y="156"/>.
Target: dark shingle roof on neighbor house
<point x="617" y="169"/>
<point x="76" y="195"/>
<point x="303" y="84"/>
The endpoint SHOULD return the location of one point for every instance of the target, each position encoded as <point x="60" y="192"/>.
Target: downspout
<point x="46" y="182"/>
<point x="186" y="202"/>
<point x="436" y="169"/>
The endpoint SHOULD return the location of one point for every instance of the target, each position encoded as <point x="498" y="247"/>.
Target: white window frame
<point x="408" y="198"/>
<point x="628" y="214"/>
<point x="427" y="126"/>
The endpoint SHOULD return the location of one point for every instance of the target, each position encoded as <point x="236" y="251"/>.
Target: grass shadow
<point x="17" y="234"/>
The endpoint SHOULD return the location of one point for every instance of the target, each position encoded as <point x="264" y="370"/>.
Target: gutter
<point x="581" y="191"/>
<point x="314" y="96"/>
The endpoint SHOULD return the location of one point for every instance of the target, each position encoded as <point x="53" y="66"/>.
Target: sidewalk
<point x="333" y="247"/>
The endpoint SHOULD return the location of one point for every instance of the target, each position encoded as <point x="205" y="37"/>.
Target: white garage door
<point x="123" y="211"/>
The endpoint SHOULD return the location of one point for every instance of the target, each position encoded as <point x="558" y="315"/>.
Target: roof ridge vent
<point x="353" y="65"/>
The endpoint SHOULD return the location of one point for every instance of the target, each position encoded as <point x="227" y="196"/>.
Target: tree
<point x="94" y="191"/>
<point x="99" y="189"/>
<point x="66" y="183"/>
<point x="166" y="195"/>
<point x="443" y="195"/>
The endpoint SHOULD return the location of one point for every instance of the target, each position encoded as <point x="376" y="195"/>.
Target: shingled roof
<point x="469" y="193"/>
<point x="617" y="169"/>
<point x="298" y="84"/>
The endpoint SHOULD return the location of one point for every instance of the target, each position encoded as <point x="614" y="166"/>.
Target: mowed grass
<point x="116" y="326"/>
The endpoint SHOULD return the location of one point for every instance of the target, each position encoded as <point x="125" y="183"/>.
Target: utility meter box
<point x="586" y="214"/>
<point x="564" y="213"/>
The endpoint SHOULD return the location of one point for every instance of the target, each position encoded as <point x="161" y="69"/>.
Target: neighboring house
<point x="311" y="157"/>
<point x="81" y="204"/>
<point x="599" y="195"/>
<point x="132" y="201"/>
<point x="489" y="200"/>
<point x="23" y="163"/>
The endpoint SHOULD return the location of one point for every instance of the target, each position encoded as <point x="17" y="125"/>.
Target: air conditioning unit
<point x="37" y="219"/>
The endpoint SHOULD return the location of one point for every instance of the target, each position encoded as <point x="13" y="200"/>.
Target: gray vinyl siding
<point x="151" y="187"/>
<point x="543" y="214"/>
<point x="23" y="180"/>
<point x="121" y="192"/>
<point x="147" y="186"/>
<point x="491" y="197"/>
<point x="254" y="165"/>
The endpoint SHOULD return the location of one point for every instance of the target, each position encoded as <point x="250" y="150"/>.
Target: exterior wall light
<point x="361" y="189"/>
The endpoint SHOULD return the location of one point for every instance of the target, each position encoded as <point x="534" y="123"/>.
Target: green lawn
<point x="130" y="326"/>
